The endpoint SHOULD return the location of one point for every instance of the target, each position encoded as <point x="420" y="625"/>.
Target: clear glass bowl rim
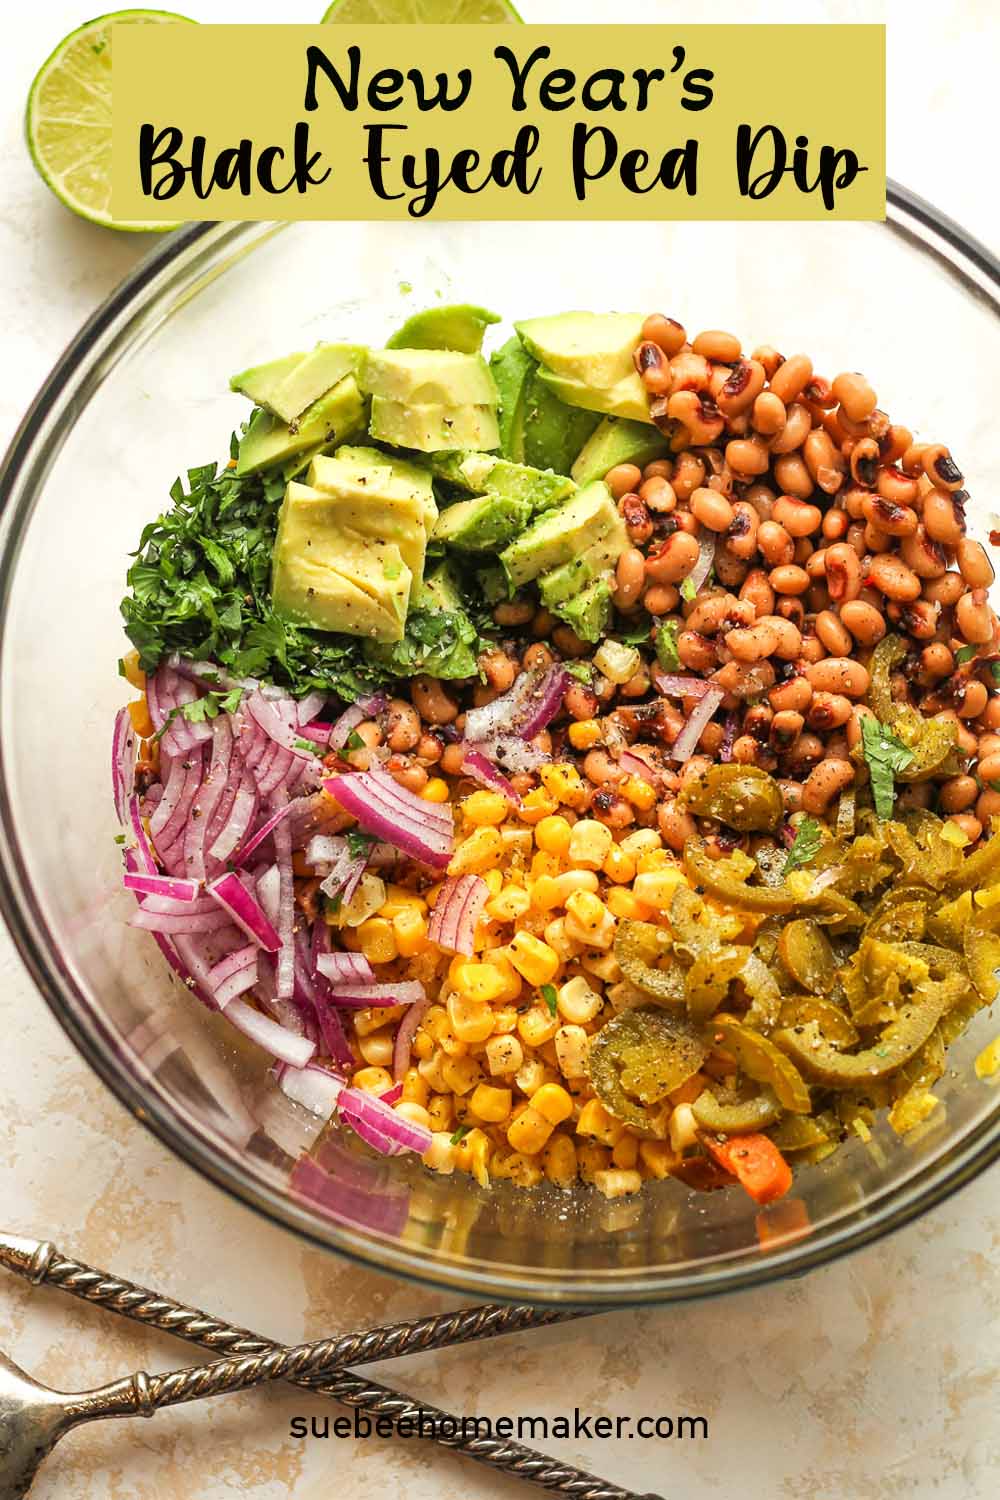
<point x="90" y="355"/>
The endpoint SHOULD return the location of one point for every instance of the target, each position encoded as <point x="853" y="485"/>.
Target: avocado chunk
<point x="614" y="441"/>
<point x="431" y="427"/>
<point x="432" y="377"/>
<point x="560" y="584"/>
<point x="482" y="524"/>
<point x="287" y="386"/>
<point x="458" y="327"/>
<point x="485" y="474"/>
<point x="589" y="611"/>
<point x="594" y="348"/>
<point x="373" y="503"/>
<point x="561" y="534"/>
<point x="327" y="575"/>
<point x="554" y="433"/>
<point x="397" y="477"/>
<point x="335" y="417"/>
<point x="442" y="589"/>
<point x="512" y="368"/>
<point x="627" y="398"/>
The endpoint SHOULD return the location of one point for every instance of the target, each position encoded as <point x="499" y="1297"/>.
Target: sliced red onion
<point x="209" y="674"/>
<point x="687" y="741"/>
<point x="360" y="996"/>
<point x="232" y="895"/>
<point x="345" y="967"/>
<point x="241" y="815"/>
<point x="143" y="848"/>
<point x="315" y="1088"/>
<point x="171" y="907"/>
<point x="210" y="795"/>
<point x="345" y="876"/>
<point x="405" y="1032"/>
<point x="122" y="762"/>
<point x="334" y="1036"/>
<point x="365" y="708"/>
<point x="268" y="892"/>
<point x="264" y="831"/>
<point x="171" y="811"/>
<point x="317" y="730"/>
<point x="234" y="975"/>
<point x="286" y="902"/>
<point x="163" y="885"/>
<point x="324" y="849"/>
<point x="511" y="754"/>
<point x="475" y="764"/>
<point x="728" y="738"/>
<point x="393" y="1095"/>
<point x="308" y="707"/>
<point x="177" y="924"/>
<point x="380" y="1125"/>
<point x="457" y="910"/>
<point x="277" y="771"/>
<point x="268" y="718"/>
<point x="706" y="560"/>
<point x="545" y="702"/>
<point x="634" y="765"/>
<point x="275" y="1039"/>
<point x="424" y="830"/>
<point x="675" y="685"/>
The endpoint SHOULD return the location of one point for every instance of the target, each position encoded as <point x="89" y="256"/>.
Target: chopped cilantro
<point x="688" y="590"/>
<point x="666" y="646"/>
<point x="995" y="670"/>
<point x="358" y="843"/>
<point x="121" y="666"/>
<point x="581" y="670"/>
<point x="119" y="838"/>
<point x="965" y="653"/>
<point x="885" y="755"/>
<point x="355" y="742"/>
<point x="548" y="993"/>
<point x="301" y="744"/>
<point x="460" y="1134"/>
<point x="805" y="846"/>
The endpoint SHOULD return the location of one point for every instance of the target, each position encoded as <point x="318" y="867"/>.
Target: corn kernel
<point x="565" y="784"/>
<point x="530" y="1131"/>
<point x="603" y="966"/>
<point x="536" y="1026"/>
<point x="623" y="903"/>
<point x="512" y="902"/>
<point x="436" y="790"/>
<point x="536" y="805"/>
<point x="585" y="734"/>
<point x="571" y="1044"/>
<point x="482" y="850"/>
<point x="423" y="1046"/>
<point x="533" y="959"/>
<point x="440" y="1111"/>
<point x="589" y="921"/>
<point x="409" y="929"/>
<point x="505" y="1017"/>
<point x="461" y="1074"/>
<point x="525" y="1171"/>
<point x="589" y="844"/>
<point x="377" y="1048"/>
<point x="374" y="1017"/>
<point x="552" y="1101"/>
<point x="657" y="888"/>
<point x="472" y="1155"/>
<point x="490" y="1103"/>
<point x="138" y="712"/>
<point x="530" y="1076"/>
<point x="373" y="1080"/>
<point x="544" y="893"/>
<point x="512" y="981"/>
<point x="617" y="1184"/>
<point x="431" y="1070"/>
<point x="642" y="841"/>
<point x="594" y="1120"/>
<point x="378" y="941"/>
<point x="654" y="859"/>
<point x="625" y="1152"/>
<point x="557" y="939"/>
<point x="619" y="865"/>
<point x="559" y="1160"/>
<point x="484" y="809"/>
<point x="367" y="899"/>
<point x="577" y="1001"/>
<point x="504" y="1055"/>
<point x="592" y="1158"/>
<point x="576" y="880"/>
<point x="553" y="834"/>
<point x="494" y="881"/>
<point x="415" y="1090"/>
<point x="658" y="1157"/>
<point x="516" y="842"/>
<point x="543" y="863"/>
<point x="398" y="898"/>
<point x="639" y="792"/>
<point x="407" y="1109"/>
<point x="471" y="1019"/>
<point x="478" y="983"/>
<point x="683" y="1127"/>
<point x="440" y="1154"/>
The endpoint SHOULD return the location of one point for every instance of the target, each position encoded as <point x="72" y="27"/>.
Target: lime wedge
<point x="469" y="12"/>
<point x="68" y="119"/>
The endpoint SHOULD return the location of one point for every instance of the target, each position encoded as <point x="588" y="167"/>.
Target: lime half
<point x="454" y="12"/>
<point x="68" y="119"/>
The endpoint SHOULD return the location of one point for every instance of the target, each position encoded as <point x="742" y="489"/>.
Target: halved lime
<point x="68" y="119"/>
<point x="469" y="12"/>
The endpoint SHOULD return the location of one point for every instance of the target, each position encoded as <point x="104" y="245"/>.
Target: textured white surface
<point x="873" y="1379"/>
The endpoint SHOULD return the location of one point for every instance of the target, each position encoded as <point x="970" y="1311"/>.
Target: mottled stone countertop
<point x="875" y="1378"/>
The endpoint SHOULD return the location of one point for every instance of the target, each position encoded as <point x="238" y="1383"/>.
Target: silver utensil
<point x="33" y="1418"/>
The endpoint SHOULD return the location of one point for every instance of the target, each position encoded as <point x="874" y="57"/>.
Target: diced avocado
<point x="301" y="461"/>
<point x="512" y="368"/>
<point x="589" y="611"/>
<point x="397" y="477"/>
<point x="335" y="417"/>
<point x="561" y="534"/>
<point x="625" y="399"/>
<point x="615" y="441"/>
<point x="493" y="583"/>
<point x="484" y="474"/>
<point x="594" y="348"/>
<point x="287" y="386"/>
<point x="430" y="377"/>
<point x="458" y="327"/>
<point x="370" y="503"/>
<point x="432" y="427"/>
<point x="561" y="583"/>
<point x="554" y="433"/>
<point x="442" y="589"/>
<point x="482" y="524"/>
<point x="328" y="576"/>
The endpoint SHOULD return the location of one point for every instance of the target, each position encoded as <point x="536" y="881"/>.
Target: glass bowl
<point x="142" y="394"/>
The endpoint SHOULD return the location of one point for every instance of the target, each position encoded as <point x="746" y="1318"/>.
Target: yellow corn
<point x="512" y="983"/>
<point x="440" y="1111"/>
<point x="577" y="1001"/>
<point x="589" y="844"/>
<point x="524" y="1170"/>
<point x="461" y="1074"/>
<point x="594" y="1120"/>
<point x="399" y="899"/>
<point x="477" y="983"/>
<point x="376" y="1048"/>
<point x="512" y="902"/>
<point x="658" y="1157"/>
<point x="642" y="841"/>
<point x="431" y="1070"/>
<point x="374" y="1017"/>
<point x="494" y="881"/>
<point x="544" y="893"/>
<point x="603" y="966"/>
<point x="505" y="1016"/>
<point x="617" y="1184"/>
<point x="378" y="941"/>
<point x="423" y="1046"/>
<point x="584" y="734"/>
<point x="639" y="792"/>
<point x="490" y="1103"/>
<point x="504" y="1055"/>
<point x="619" y="865"/>
<point x="472" y="1155"/>
<point x="592" y="1158"/>
<point x="623" y="903"/>
<point x="484" y="809"/>
<point x="440" y="1154"/>
<point x="530" y="1076"/>
<point x="536" y="1026"/>
<point x="625" y="1152"/>
<point x="373" y="1080"/>
<point x="415" y="1113"/>
<point x="415" y="1090"/>
<point x="589" y="921"/>
<point x="559" y="1160"/>
<point x="552" y="1101"/>
<point x="410" y="932"/>
<point x="543" y="863"/>
<point x="683" y="1128"/>
<point x="536" y="805"/>
<point x="482" y="850"/>
<point x="471" y="1019"/>
<point x="553" y="834"/>
<point x="557" y="939"/>
<point x="654" y="859"/>
<point x="575" y="880"/>
<point x="138" y="712"/>
<point x="132" y="671"/>
<point x="571" y="1043"/>
<point x="565" y="784"/>
<point x="533" y="959"/>
<point x="529" y="1132"/>
<point x="436" y="790"/>
<point x="657" y="888"/>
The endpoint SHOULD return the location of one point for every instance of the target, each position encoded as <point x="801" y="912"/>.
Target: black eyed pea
<point x="825" y="782"/>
